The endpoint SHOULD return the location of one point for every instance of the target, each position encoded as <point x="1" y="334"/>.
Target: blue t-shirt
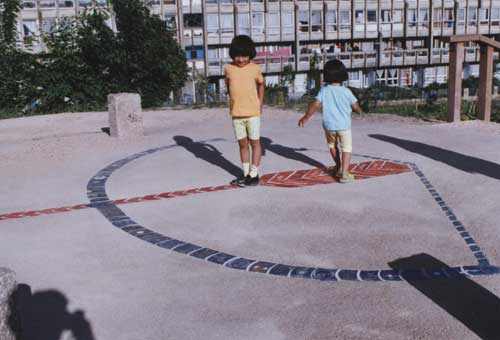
<point x="337" y="104"/>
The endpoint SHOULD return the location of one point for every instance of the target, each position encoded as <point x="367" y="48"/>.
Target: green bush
<point x="85" y="61"/>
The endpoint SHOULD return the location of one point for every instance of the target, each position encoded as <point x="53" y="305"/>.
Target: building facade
<point x="389" y="42"/>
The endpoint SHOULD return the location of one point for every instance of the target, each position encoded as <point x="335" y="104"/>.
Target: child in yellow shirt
<point x="245" y="85"/>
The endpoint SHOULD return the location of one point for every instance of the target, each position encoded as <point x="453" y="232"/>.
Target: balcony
<point x="268" y="64"/>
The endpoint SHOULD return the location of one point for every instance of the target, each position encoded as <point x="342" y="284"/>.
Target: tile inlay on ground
<point x="374" y="167"/>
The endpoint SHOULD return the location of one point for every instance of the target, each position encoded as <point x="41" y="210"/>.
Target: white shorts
<point x="342" y="138"/>
<point x="247" y="128"/>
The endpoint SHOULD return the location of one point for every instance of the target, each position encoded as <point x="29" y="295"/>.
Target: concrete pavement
<point x="370" y="237"/>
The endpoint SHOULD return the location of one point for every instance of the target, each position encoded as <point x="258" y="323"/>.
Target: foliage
<point x="152" y="64"/>
<point x="314" y="74"/>
<point x="287" y="76"/>
<point x="275" y="94"/>
<point x="85" y="61"/>
<point x="9" y="10"/>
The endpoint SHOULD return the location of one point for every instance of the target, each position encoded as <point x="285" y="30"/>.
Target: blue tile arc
<point x="96" y="192"/>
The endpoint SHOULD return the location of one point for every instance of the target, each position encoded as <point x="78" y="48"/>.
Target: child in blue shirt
<point x="338" y="102"/>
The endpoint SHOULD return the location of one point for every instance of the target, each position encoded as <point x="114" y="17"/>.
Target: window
<point x="244" y="23"/>
<point x="397" y="16"/>
<point x="169" y="2"/>
<point x="344" y="21"/>
<point x="385" y="19"/>
<point x="472" y="16"/>
<point x="304" y="21"/>
<point x="385" y="16"/>
<point x="412" y="18"/>
<point x="29" y="4"/>
<point x="484" y="17"/>
<point x="273" y="23"/>
<point x="437" y="17"/>
<point x="212" y="53"/>
<point x="359" y="16"/>
<point x="461" y="17"/>
<point x="66" y="3"/>
<point x="316" y="21"/>
<point x="29" y="31"/>
<point x="258" y="23"/>
<point x="371" y="16"/>
<point x="331" y="21"/>
<point x="49" y="25"/>
<point x="287" y="23"/>
<point x="495" y="16"/>
<point x="354" y="76"/>
<point x="212" y="24"/>
<point x="423" y="17"/>
<point x="170" y="22"/>
<point x="448" y="18"/>
<point x="193" y="20"/>
<point x="47" y="3"/>
<point x="84" y="3"/>
<point x="226" y="24"/>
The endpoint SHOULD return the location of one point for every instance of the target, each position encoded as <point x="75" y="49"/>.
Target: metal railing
<point x="268" y="64"/>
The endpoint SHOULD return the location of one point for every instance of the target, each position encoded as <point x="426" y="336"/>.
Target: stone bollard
<point x="7" y="287"/>
<point x="125" y="115"/>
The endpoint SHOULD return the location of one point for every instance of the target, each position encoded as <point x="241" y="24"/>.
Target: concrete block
<point x="7" y="314"/>
<point x="125" y="115"/>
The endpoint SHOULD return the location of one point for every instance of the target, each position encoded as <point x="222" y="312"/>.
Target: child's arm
<point x="260" y="92"/>
<point x="356" y="107"/>
<point x="315" y="105"/>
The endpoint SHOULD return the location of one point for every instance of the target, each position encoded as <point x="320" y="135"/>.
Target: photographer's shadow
<point x="465" y="300"/>
<point x="44" y="316"/>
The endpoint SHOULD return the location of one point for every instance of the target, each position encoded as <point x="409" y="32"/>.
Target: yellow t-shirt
<point x="242" y="84"/>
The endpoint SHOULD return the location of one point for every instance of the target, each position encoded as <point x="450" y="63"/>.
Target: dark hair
<point x="242" y="46"/>
<point x="335" y="72"/>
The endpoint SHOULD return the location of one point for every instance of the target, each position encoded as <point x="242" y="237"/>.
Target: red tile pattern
<point x="284" y="179"/>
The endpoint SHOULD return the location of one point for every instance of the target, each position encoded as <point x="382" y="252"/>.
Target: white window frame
<point x="257" y="23"/>
<point x="287" y="22"/>
<point x="243" y="27"/>
<point x="273" y="23"/>
<point x="331" y="20"/>
<point x="212" y="24"/>
<point x="226" y="23"/>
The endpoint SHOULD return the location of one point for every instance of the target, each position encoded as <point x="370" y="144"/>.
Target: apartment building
<point x="390" y="42"/>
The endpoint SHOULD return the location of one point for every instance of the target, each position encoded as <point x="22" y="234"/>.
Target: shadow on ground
<point x="288" y="152"/>
<point x="44" y="316"/>
<point x="452" y="158"/>
<point x="208" y="153"/>
<point x="471" y="304"/>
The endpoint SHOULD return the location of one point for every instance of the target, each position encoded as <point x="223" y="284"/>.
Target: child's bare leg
<point x="256" y="151"/>
<point x="244" y="153"/>
<point x="334" y="151"/>
<point x="346" y="161"/>
<point x="256" y="155"/>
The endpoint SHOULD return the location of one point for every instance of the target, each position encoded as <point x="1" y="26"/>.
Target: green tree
<point x="152" y="62"/>
<point x="9" y="9"/>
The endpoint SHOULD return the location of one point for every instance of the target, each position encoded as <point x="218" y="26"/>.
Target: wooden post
<point x="485" y="82"/>
<point x="455" y="81"/>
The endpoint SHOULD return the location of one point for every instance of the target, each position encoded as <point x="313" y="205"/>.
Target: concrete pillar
<point x="125" y="115"/>
<point x="455" y="81"/>
<point x="485" y="83"/>
<point x="7" y="287"/>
